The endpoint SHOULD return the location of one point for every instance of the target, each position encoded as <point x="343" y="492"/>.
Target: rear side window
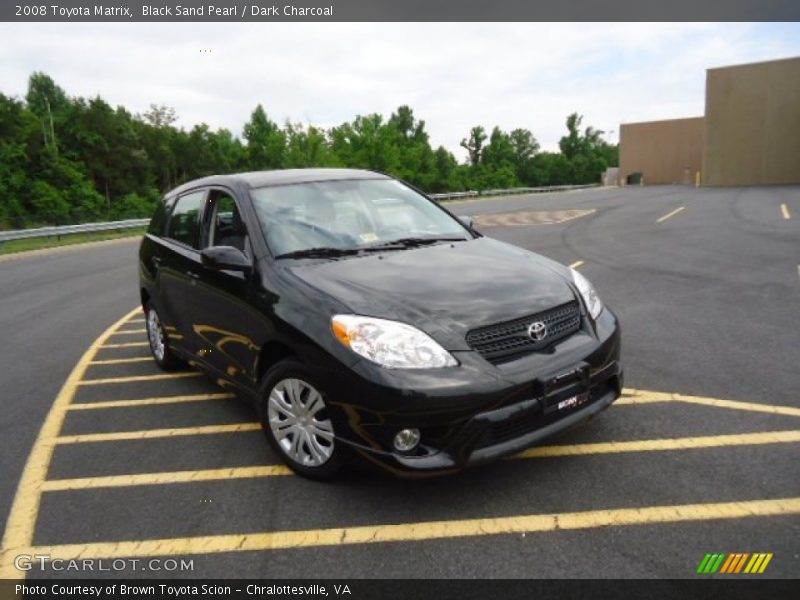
<point x="184" y="223"/>
<point x="159" y="220"/>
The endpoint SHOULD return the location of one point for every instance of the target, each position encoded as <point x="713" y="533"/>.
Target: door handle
<point x="156" y="261"/>
<point x="193" y="275"/>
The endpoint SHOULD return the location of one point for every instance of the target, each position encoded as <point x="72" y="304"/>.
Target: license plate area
<point x="567" y="390"/>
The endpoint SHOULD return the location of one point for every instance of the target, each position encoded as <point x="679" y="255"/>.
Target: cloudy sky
<point x="454" y="76"/>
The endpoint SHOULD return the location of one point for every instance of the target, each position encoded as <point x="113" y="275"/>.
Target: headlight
<point x="588" y="293"/>
<point x="389" y="343"/>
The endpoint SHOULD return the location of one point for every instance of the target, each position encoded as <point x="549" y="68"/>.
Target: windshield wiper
<point x="320" y="252"/>
<point x="399" y="244"/>
<point x="413" y="242"/>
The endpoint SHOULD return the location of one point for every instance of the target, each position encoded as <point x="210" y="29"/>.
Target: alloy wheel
<point x="298" y="421"/>
<point x="155" y="335"/>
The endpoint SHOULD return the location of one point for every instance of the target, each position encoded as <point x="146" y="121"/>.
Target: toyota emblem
<point x="537" y="331"/>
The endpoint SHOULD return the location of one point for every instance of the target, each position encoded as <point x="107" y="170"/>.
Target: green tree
<point x="552" y="168"/>
<point x="49" y="103"/>
<point x="416" y="161"/>
<point x="158" y="138"/>
<point x="307" y="147"/>
<point x="572" y="144"/>
<point x="499" y="152"/>
<point x="589" y="154"/>
<point x="474" y="145"/>
<point x="525" y="147"/>
<point x="105" y="140"/>
<point x="68" y="159"/>
<point x="19" y="132"/>
<point x="365" y="143"/>
<point x="266" y="143"/>
<point x="49" y="204"/>
<point x="446" y="172"/>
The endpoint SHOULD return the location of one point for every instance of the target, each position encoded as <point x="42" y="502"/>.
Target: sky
<point x="453" y="75"/>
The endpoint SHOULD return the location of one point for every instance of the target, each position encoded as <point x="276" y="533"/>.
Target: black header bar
<point x="136" y="11"/>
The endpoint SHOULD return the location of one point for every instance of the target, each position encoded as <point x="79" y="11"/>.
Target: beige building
<point x="663" y="151"/>
<point x="753" y="124"/>
<point x="750" y="134"/>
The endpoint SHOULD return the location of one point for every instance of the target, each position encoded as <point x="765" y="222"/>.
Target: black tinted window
<point x="225" y="227"/>
<point x="159" y="220"/>
<point x="184" y="221"/>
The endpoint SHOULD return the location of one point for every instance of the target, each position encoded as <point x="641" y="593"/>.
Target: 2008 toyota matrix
<point x="367" y="322"/>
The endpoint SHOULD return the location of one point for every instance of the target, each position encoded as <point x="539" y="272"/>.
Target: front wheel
<point x="295" y="420"/>
<point x="159" y="342"/>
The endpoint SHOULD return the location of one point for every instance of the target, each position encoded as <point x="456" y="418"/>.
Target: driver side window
<point x="224" y="226"/>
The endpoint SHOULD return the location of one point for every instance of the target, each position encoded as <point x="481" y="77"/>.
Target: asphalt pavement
<point x="699" y="456"/>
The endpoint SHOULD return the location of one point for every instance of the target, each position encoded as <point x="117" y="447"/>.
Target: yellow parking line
<point x="633" y="396"/>
<point x="130" y="332"/>
<point x="114" y="436"/>
<point x="149" y="401"/>
<point x="576" y="264"/>
<point x="686" y="443"/>
<point x="122" y="361"/>
<point x="129" y="325"/>
<point x="25" y="507"/>
<point x="83" y="483"/>
<point x="430" y="530"/>
<point x="132" y="378"/>
<point x="253" y="472"/>
<point x="670" y="214"/>
<point x="748" y="406"/>
<point x="785" y="210"/>
<point x="24" y="511"/>
<point x="623" y="400"/>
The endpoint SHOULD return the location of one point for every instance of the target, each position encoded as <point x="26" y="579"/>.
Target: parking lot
<point x="699" y="455"/>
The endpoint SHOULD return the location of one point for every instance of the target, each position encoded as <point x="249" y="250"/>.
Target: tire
<point x="159" y="341"/>
<point x="290" y="402"/>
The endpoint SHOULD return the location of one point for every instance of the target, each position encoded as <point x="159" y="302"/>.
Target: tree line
<point x="70" y="160"/>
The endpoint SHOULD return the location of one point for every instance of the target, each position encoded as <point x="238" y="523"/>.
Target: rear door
<point x="178" y="267"/>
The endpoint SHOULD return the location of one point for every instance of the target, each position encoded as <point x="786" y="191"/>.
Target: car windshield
<point x="331" y="218"/>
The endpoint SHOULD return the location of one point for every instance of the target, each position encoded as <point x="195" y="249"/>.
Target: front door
<point x="226" y="326"/>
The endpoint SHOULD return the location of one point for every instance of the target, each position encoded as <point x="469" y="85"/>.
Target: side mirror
<point x="225" y="258"/>
<point x="468" y="221"/>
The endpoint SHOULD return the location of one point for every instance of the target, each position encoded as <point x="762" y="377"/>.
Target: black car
<point x="366" y="321"/>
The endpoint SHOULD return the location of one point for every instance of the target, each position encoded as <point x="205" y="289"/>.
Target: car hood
<point x="446" y="289"/>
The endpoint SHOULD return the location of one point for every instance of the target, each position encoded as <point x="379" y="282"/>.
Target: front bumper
<point x="475" y="412"/>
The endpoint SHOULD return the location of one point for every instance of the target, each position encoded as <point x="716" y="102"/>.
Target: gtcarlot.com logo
<point x="44" y="562"/>
<point x="736" y="563"/>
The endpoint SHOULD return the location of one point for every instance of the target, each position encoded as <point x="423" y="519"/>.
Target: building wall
<point x="663" y="151"/>
<point x="753" y="124"/>
<point x="610" y="177"/>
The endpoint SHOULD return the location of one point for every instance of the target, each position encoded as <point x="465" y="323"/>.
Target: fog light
<point x="406" y="440"/>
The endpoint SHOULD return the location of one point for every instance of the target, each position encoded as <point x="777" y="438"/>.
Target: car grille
<point x="505" y="341"/>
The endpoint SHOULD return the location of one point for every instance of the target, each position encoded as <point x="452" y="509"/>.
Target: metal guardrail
<point x="40" y="232"/>
<point x="450" y="195"/>
<point x="511" y="191"/>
